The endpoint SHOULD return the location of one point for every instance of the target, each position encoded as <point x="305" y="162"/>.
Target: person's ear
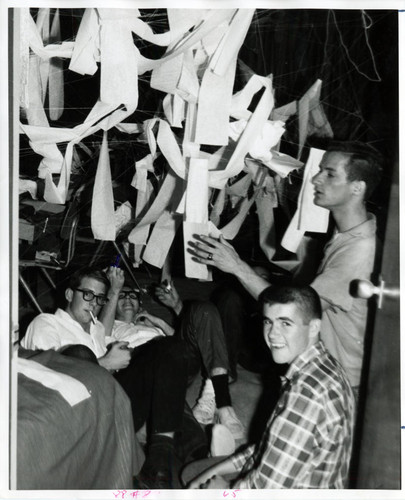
<point x="314" y="327"/>
<point x="359" y="188"/>
<point x="69" y="294"/>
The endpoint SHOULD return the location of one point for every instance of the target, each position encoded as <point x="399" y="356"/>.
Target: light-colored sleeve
<point x="287" y="451"/>
<point x="42" y="333"/>
<point x="345" y="264"/>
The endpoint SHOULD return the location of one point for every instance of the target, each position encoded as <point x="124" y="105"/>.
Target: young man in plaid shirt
<point x="308" y="439"/>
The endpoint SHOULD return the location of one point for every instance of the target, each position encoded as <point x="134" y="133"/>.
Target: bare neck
<point x="127" y="317"/>
<point x="348" y="217"/>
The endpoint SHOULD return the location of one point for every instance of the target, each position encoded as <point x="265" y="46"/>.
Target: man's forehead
<point x="335" y="159"/>
<point x="278" y="309"/>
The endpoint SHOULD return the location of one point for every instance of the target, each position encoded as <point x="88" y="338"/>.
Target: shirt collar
<point x="303" y="359"/>
<point x="366" y="228"/>
<point x="65" y="316"/>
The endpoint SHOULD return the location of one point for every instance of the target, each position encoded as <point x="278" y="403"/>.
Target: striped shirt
<point x="308" y="439"/>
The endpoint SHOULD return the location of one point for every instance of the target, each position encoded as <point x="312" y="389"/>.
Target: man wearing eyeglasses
<point x="155" y="379"/>
<point x="85" y="295"/>
<point x="198" y="328"/>
<point x="134" y="325"/>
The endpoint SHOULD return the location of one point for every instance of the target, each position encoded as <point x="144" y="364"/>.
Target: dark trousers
<point x="157" y="376"/>
<point x="201" y="332"/>
<point x="243" y="328"/>
<point x="156" y="382"/>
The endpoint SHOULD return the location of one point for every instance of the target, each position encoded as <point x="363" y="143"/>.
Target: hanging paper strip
<point x="56" y="86"/>
<point x="86" y="50"/>
<point x="196" y="214"/>
<point x="44" y="139"/>
<point x="164" y="230"/>
<point x="284" y="112"/>
<point x="42" y="23"/>
<point x="218" y="207"/>
<point x="64" y="49"/>
<point x="308" y="216"/>
<point x="52" y="157"/>
<point x="256" y="122"/>
<point x="214" y="101"/>
<point x="24" y="56"/>
<point x="212" y="19"/>
<point x="174" y="109"/>
<point x="142" y="167"/>
<point x="163" y="200"/>
<point x="161" y="239"/>
<point x="311" y="116"/>
<point x="231" y="43"/>
<point x="140" y="237"/>
<point x="102" y="208"/>
<point x="119" y="60"/>
<point x="170" y="149"/>
<point x="265" y="203"/>
<point x="232" y="228"/>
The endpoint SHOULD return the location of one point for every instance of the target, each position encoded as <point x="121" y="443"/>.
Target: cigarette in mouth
<point x="93" y="319"/>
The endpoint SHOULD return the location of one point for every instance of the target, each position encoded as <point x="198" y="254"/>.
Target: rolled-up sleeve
<point x="348" y="261"/>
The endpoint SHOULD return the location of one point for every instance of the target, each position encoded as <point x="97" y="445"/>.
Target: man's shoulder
<point x="323" y="374"/>
<point x="43" y="318"/>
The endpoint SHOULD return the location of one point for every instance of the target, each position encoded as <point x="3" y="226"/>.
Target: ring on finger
<point x="209" y="256"/>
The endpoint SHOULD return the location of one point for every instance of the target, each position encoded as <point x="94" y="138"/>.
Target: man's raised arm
<point x="221" y="254"/>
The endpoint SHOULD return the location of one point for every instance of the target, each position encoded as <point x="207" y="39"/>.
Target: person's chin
<point x="318" y="200"/>
<point x="280" y="356"/>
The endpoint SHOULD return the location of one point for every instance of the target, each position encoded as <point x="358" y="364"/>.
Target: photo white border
<point x="9" y="278"/>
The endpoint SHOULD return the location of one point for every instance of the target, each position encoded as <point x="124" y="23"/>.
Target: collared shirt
<point x="349" y="255"/>
<point x="53" y="331"/>
<point x="308" y="439"/>
<point x="136" y="335"/>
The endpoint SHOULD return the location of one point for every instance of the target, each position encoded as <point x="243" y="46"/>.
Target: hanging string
<point x="371" y="79"/>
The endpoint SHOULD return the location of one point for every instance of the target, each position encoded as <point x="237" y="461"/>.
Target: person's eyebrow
<point x="285" y="318"/>
<point x="327" y="167"/>
<point x="281" y="318"/>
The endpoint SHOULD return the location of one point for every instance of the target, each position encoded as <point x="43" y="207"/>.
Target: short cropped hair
<point x="88" y="272"/>
<point x="304" y="297"/>
<point x="364" y="163"/>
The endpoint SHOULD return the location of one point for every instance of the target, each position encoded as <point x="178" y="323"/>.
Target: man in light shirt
<point x="200" y="332"/>
<point x="349" y="172"/>
<point x="153" y="376"/>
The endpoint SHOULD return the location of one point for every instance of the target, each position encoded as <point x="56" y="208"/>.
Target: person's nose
<point x="315" y="179"/>
<point x="270" y="331"/>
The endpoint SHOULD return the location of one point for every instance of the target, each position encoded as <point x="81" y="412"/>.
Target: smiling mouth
<point x="273" y="345"/>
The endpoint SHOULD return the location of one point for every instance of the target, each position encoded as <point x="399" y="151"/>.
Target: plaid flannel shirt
<point x="308" y="439"/>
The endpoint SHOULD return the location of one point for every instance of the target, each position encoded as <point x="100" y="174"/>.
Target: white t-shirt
<point x="53" y="331"/>
<point x="136" y="335"/>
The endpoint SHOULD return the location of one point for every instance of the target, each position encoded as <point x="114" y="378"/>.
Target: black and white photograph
<point x="201" y="249"/>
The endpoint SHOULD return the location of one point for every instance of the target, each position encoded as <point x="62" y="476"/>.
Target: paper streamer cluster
<point x="197" y="76"/>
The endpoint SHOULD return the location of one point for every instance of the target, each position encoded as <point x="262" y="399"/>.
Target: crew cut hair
<point x="364" y="163"/>
<point x="304" y="297"/>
